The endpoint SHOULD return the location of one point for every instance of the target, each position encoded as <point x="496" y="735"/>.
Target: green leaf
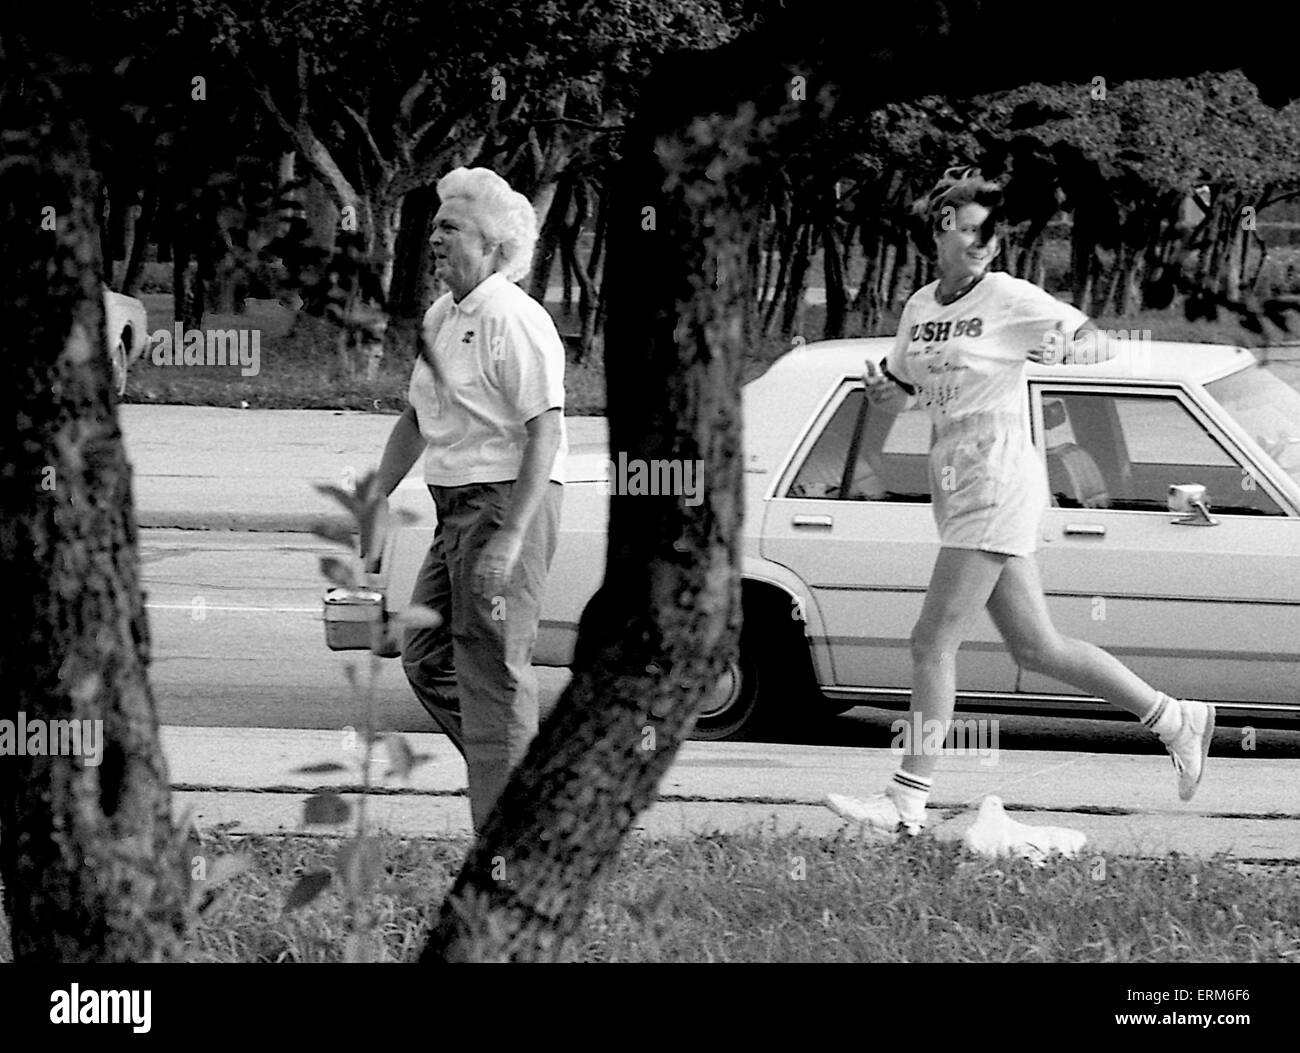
<point x="359" y="866"/>
<point x="401" y="758"/>
<point x="338" y="571"/>
<point x="309" y="886"/>
<point x="325" y="809"/>
<point x="336" y="532"/>
<point x="347" y="500"/>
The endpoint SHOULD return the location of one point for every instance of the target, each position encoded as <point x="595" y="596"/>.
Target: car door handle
<point x="813" y="521"/>
<point x="1085" y="529"/>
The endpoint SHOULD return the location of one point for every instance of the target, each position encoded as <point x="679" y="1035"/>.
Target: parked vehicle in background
<point x="1203" y="600"/>
<point x="127" y="327"/>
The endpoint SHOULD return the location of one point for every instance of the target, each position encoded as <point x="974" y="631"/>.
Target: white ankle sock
<point x="1165" y="718"/>
<point x="910" y="793"/>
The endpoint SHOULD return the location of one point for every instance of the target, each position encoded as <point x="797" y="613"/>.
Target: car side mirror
<point x="1190" y="498"/>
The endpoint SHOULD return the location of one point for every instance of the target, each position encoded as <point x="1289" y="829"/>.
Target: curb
<point x="253" y="522"/>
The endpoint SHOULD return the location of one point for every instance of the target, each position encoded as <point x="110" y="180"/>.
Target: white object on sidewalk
<point x="996" y="834"/>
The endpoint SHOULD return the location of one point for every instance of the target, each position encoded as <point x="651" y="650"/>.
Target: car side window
<point x="1124" y="452"/>
<point x="890" y="456"/>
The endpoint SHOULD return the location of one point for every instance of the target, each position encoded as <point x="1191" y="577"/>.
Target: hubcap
<point x="725" y="694"/>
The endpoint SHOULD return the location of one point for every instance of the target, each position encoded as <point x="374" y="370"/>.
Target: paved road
<point x="238" y="642"/>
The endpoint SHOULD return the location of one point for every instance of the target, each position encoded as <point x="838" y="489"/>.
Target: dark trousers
<point x="473" y="673"/>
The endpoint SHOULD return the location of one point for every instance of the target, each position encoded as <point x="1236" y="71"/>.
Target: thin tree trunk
<point x="789" y="235"/>
<point x="833" y="272"/>
<point x="1082" y="255"/>
<point x="91" y="866"/>
<point x="548" y="239"/>
<point x="141" y="235"/>
<point x="792" y="313"/>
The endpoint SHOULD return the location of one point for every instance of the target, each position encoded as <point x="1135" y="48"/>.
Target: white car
<point x="1203" y="601"/>
<point x="127" y="327"/>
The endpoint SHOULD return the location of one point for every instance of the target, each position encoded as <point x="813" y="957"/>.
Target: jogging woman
<point x="960" y="352"/>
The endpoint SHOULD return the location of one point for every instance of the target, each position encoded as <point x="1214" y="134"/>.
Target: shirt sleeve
<point x="531" y="362"/>
<point x="1031" y="315"/>
<point x="423" y="391"/>
<point x="896" y="360"/>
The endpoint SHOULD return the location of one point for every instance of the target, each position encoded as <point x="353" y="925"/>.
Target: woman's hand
<point x="1088" y="347"/>
<point x="882" y="391"/>
<point x="1053" y="350"/>
<point x="496" y="563"/>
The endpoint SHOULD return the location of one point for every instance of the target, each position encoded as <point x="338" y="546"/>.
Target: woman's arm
<point x="405" y="444"/>
<point x="1088" y="346"/>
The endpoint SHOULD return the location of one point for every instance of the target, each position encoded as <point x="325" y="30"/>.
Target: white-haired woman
<point x="960" y="352"/>
<point x="487" y="409"/>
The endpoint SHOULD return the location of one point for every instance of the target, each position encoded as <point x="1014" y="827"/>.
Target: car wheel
<point x="119" y="366"/>
<point x="758" y="690"/>
<point x="734" y="703"/>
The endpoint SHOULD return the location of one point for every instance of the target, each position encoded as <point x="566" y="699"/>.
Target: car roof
<point x="779" y="402"/>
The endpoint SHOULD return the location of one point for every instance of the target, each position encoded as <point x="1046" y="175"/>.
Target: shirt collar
<point x="480" y="294"/>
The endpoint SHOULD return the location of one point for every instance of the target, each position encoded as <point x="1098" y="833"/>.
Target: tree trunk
<point x="188" y="295"/>
<point x="902" y="257"/>
<point x="789" y="235"/>
<point x="1082" y="258"/>
<point x="91" y="865"/>
<point x="792" y="314"/>
<point x="836" y="298"/>
<point x="548" y="239"/>
<point x="408" y="296"/>
<point x="141" y="234"/>
<point x="589" y="277"/>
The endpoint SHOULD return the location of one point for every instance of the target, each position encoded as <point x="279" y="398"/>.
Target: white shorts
<point x="988" y="486"/>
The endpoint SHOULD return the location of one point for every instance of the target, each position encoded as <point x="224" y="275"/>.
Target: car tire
<point x="765" y="688"/>
<point x="119" y="357"/>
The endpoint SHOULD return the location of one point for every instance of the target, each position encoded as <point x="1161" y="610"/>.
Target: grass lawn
<point x="761" y="897"/>
<point x="295" y="374"/>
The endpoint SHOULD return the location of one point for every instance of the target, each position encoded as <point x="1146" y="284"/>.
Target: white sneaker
<point x="996" y="834"/>
<point x="878" y="812"/>
<point x="1191" y="745"/>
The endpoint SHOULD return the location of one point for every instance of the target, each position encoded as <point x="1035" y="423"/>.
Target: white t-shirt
<point x="501" y="361"/>
<point x="968" y="357"/>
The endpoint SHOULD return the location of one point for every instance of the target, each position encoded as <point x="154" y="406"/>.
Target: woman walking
<point x="960" y="352"/>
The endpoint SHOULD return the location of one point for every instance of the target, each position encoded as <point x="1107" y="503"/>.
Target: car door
<point x="1199" y="611"/>
<point x="850" y="514"/>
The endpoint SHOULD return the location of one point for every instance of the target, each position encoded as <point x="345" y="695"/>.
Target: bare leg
<point x="1020" y="612"/>
<point x="960" y="586"/>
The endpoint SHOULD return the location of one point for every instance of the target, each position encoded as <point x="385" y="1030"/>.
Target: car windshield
<point x="1265" y="400"/>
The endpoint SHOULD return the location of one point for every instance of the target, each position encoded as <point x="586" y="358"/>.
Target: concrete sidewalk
<point x="245" y="779"/>
<point x="206" y="468"/>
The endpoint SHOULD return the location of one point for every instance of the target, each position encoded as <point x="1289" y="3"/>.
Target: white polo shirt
<point x="501" y="361"/>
